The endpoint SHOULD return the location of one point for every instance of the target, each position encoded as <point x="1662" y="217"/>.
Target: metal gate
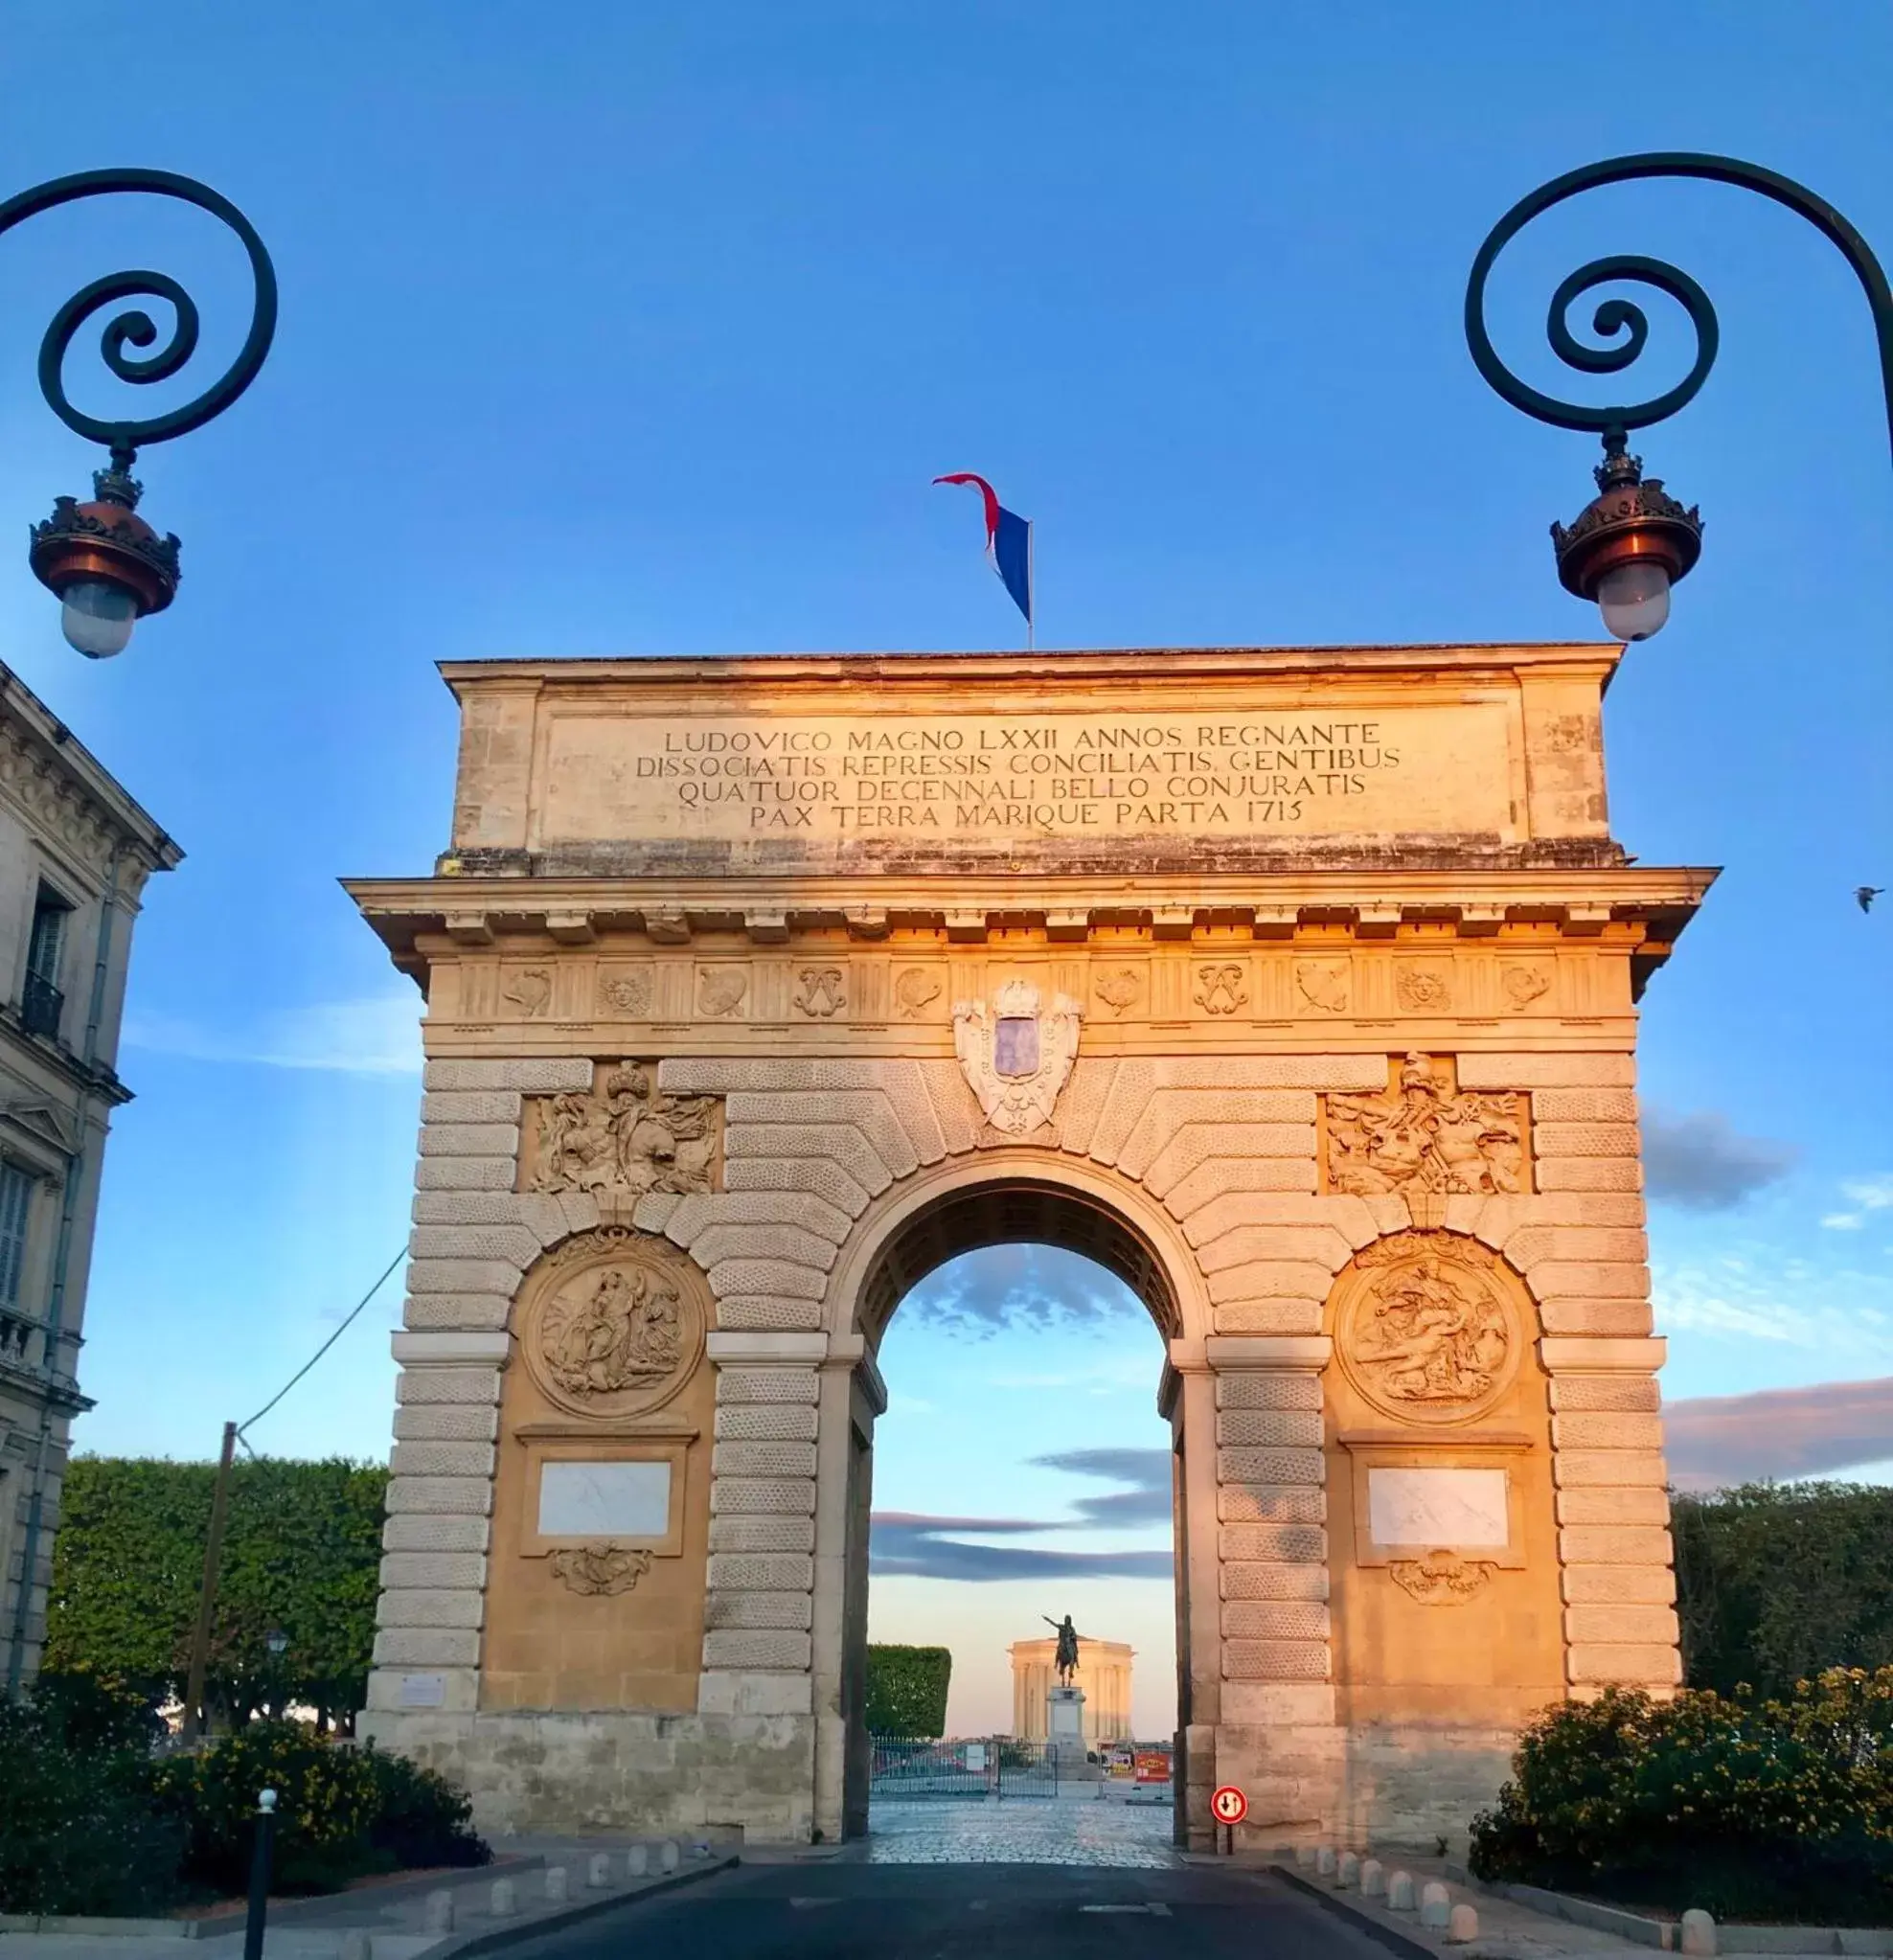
<point x="1027" y="1769"/>
<point x="913" y="1767"/>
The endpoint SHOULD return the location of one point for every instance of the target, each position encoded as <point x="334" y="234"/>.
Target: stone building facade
<point x="75" y="853"/>
<point x="1103" y="1673"/>
<point x="1297" y="987"/>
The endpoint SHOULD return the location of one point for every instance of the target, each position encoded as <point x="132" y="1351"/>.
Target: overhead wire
<point x="348" y="1321"/>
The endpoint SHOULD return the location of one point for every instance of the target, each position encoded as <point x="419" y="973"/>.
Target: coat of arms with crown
<point x="1016" y="1058"/>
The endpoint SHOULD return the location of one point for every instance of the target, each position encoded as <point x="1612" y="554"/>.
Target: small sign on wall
<point x="423" y="1691"/>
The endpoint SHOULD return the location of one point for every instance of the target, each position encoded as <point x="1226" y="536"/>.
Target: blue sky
<point x="643" y="331"/>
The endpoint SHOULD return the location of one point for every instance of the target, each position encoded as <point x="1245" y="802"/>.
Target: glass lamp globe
<point x="97" y="618"/>
<point x="1635" y="598"/>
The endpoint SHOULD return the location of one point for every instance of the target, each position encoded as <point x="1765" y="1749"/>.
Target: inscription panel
<point x="1302" y="770"/>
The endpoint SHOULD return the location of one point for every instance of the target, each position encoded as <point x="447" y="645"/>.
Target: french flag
<point x="1007" y="542"/>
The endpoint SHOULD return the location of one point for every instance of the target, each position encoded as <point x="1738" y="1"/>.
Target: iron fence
<point x="920" y="1767"/>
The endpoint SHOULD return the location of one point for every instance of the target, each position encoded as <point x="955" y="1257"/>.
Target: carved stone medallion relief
<point x="1427" y="1328"/>
<point x="610" y="1327"/>
<point x="625" y="1138"/>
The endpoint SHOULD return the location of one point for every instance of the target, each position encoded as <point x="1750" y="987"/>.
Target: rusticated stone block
<point x="1317" y="1245"/>
<point x="1626" y="1394"/>
<point x="767" y="1313"/>
<point x="804" y="1143"/>
<point x="448" y="1423"/>
<point x="800" y="1210"/>
<point x="428" y="1607"/>
<point x="1216" y="1173"/>
<point x="1279" y="1503"/>
<point x="467" y="1312"/>
<point x="1613" y="1544"/>
<point x="820" y="1177"/>
<point x="1657" y="1665"/>
<point x="1275" y="1660"/>
<point x="1570" y="1279"/>
<point x="1619" y="1585"/>
<point x="793" y="1495"/>
<point x="1571" y="1468"/>
<point x="464" y="1497"/>
<point x="1539" y="1070"/>
<point x="471" y="1105"/>
<point x="466" y="1173"/>
<point x="1269" y="1466"/>
<point x="427" y="1647"/>
<point x="1291" y="1543"/>
<point x="448" y="1385"/>
<point x="759" y="1648"/>
<point x="762" y="1532"/>
<point x="1584" y="1140"/>
<point x="1267" y="1388"/>
<point x="454" y="1572"/>
<point x="469" y="1140"/>
<point x="1591" y="1430"/>
<point x="744" y="1245"/>
<point x="767" y="1421"/>
<point x="1274" y="1620"/>
<point x="538" y="1076"/>
<point x="1605" y="1505"/>
<point x="433" y="1531"/>
<point x="1290" y="1428"/>
<point x="462" y="1276"/>
<point x="762" y="1611"/>
<point x="731" y="1276"/>
<point x="442" y="1459"/>
<point x="1269" y="1316"/>
<point x="1612" y="1318"/>
<point x="1532" y="1247"/>
<point x="762" y="1571"/>
<point x="1584" y="1105"/>
<point x="764" y="1460"/>
<point x="465" y="1208"/>
<point x="1589" y="1174"/>
<point x="1626" y="1626"/>
<point x="1273" y="1582"/>
<point x="740" y="1385"/>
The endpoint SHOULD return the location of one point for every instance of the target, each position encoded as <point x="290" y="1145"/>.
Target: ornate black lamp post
<point x="1634" y="541"/>
<point x="107" y="565"/>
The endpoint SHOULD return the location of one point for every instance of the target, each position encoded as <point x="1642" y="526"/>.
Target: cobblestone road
<point x="1075" y="1830"/>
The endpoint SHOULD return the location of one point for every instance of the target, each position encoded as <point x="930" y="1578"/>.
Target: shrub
<point x="907" y="1690"/>
<point x="1770" y="1809"/>
<point x="342" y="1812"/>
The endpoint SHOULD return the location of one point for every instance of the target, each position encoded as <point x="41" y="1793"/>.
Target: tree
<point x="1777" y="1582"/>
<point x="301" y="1552"/>
<point x="907" y="1690"/>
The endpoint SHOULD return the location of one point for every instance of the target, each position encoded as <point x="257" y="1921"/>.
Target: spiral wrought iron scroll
<point x="1623" y="321"/>
<point x="134" y="328"/>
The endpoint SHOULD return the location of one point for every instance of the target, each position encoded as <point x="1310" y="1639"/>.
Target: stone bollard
<point x="1400" y="1892"/>
<point x="505" y="1900"/>
<point x="1324" y="1862"/>
<point x="1435" y="1904"/>
<point x="1462" y="1925"/>
<point x="637" y="1861"/>
<point x="437" y="1916"/>
<point x="1698" y="1932"/>
<point x="1347" y="1871"/>
<point x="355" y="1946"/>
<point x="668" y="1854"/>
<point x="557" y="1885"/>
<point x="598" y="1872"/>
<point x="1373" y="1878"/>
<point x="1305" y="1858"/>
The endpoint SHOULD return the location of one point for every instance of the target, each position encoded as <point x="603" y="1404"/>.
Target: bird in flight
<point x="1865" y="894"/>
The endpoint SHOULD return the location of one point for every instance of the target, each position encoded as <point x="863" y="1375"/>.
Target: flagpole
<point x="1031" y="591"/>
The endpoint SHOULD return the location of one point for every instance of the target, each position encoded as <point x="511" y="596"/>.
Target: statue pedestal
<point x="1065" y="1724"/>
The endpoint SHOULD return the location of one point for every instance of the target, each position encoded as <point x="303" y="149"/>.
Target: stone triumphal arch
<point x="1296" y="987"/>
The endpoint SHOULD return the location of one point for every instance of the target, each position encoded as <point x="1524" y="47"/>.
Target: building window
<point x="15" y="1205"/>
<point x="42" y="1004"/>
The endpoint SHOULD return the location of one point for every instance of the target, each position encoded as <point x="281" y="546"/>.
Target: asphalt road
<point x="943" y="1913"/>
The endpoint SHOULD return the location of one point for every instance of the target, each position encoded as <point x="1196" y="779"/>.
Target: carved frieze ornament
<point x="821" y="992"/>
<point x="626" y="1138"/>
<point x="1016" y="1056"/>
<point x="530" y="990"/>
<point x="599" y="1569"/>
<point x="719" y="992"/>
<point x="625" y="993"/>
<point x="915" y="990"/>
<point x="1219" y="990"/>
<point x="1119" y="988"/>
<point x="609" y="1326"/>
<point x="1441" y="1579"/>
<point x="1423" y="1140"/>
<point x="1427" y="1328"/>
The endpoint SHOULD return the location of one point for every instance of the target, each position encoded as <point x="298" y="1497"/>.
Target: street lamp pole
<point x="1634" y="541"/>
<point x="107" y="565"/>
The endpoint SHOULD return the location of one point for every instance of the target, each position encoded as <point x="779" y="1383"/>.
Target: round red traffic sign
<point x="1227" y="1805"/>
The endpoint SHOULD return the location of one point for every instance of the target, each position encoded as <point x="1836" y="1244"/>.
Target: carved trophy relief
<point x="1441" y="1579"/>
<point x="608" y="1326"/>
<point x="1219" y="990"/>
<point x="1323" y="983"/>
<point x="529" y="989"/>
<point x="1119" y="989"/>
<point x="1426" y="1327"/>
<point x="1422" y="990"/>
<point x="915" y="990"/>
<point x="721" y="990"/>
<point x="625" y="1138"/>
<point x="600" y="1570"/>
<point x="821" y="992"/>
<point x="1426" y="1140"/>
<point x="626" y="992"/>
<point x="1523" y="985"/>
<point x="1015" y="1058"/>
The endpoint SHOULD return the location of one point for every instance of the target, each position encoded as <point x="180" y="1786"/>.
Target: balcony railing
<point x="41" y="1006"/>
<point x="16" y="1338"/>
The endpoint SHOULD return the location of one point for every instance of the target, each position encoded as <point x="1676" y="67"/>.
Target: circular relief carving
<point x="610" y="1327"/>
<point x="1426" y="1327"/>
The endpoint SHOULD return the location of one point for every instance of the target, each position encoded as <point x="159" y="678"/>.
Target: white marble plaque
<point x="1440" y="1508"/>
<point x="604" y="1500"/>
<point x="423" y="1691"/>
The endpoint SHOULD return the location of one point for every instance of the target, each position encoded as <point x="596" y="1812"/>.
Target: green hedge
<point x="1778" y="1810"/>
<point x="907" y="1690"/>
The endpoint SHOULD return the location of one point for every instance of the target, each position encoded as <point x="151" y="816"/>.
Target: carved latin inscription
<point x="1426" y="1327"/>
<point x="610" y="1328"/>
<point x="1017" y="1059"/>
<point x="1422" y="1139"/>
<point x="626" y="1138"/>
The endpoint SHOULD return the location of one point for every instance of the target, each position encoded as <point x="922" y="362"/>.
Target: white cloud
<point x="1841" y="1222"/>
<point x="1835" y="1312"/>
<point x="379" y="1035"/>
<point x="1868" y="1194"/>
